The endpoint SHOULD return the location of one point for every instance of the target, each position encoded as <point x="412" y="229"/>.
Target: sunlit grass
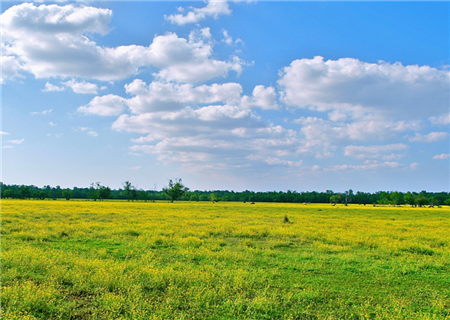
<point x="188" y="260"/>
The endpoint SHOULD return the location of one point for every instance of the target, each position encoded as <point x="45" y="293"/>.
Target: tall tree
<point x="67" y="194"/>
<point x="175" y="190"/>
<point x="93" y="190"/>
<point x="104" y="192"/>
<point x="127" y="187"/>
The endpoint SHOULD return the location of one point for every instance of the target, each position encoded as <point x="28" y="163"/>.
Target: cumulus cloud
<point x="442" y="156"/>
<point x="390" y="91"/>
<point x="159" y="96"/>
<point x="52" y="41"/>
<point x="385" y="152"/>
<point x="11" y="67"/>
<point x="322" y="132"/>
<point x="188" y="61"/>
<point x="109" y="105"/>
<point x="441" y="120"/>
<point x="224" y="136"/>
<point x="414" y="165"/>
<point x="82" y="87"/>
<point x="431" y="137"/>
<point x="49" y="40"/>
<point x="262" y="97"/>
<point x="214" y="8"/>
<point x="188" y="121"/>
<point x="51" y="87"/>
<point x="229" y="39"/>
<point x="169" y="96"/>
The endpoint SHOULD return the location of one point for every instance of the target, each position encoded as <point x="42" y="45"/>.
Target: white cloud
<point x="159" y="96"/>
<point x="214" y="8"/>
<point x="262" y="97"/>
<point x="414" y="165"/>
<point x="11" y="67"/>
<point x="109" y="105"/>
<point x="364" y="167"/>
<point x="82" y="87"/>
<point x="188" y="61"/>
<point x="44" y="112"/>
<point x="4" y="133"/>
<point x="163" y="96"/>
<point x="218" y="136"/>
<point x="90" y="132"/>
<point x="385" y="152"/>
<point x="189" y="121"/>
<point x="441" y="156"/>
<point x="227" y="38"/>
<point x="431" y="137"/>
<point x="389" y="91"/>
<point x="322" y="136"/>
<point x="17" y="141"/>
<point x="281" y="162"/>
<point x="51" y="87"/>
<point x="441" y="120"/>
<point x="52" y="124"/>
<point x="49" y="40"/>
<point x="53" y="41"/>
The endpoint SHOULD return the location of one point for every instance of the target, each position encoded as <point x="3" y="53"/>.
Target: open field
<point x="187" y="260"/>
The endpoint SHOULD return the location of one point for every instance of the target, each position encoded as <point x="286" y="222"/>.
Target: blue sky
<point x="231" y="95"/>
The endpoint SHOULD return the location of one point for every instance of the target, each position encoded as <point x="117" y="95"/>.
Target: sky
<point x="237" y="95"/>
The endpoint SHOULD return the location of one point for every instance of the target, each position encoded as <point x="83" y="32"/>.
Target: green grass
<point x="124" y="260"/>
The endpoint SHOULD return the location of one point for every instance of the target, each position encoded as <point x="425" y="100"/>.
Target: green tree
<point x="396" y="198"/>
<point x="41" y="194"/>
<point x="104" y="192"/>
<point x="422" y="200"/>
<point x="193" y="197"/>
<point x="93" y="190"/>
<point x="127" y="187"/>
<point x="175" y="190"/>
<point x="25" y="192"/>
<point x="142" y="195"/>
<point x="410" y="199"/>
<point x="335" y="198"/>
<point x="9" y="193"/>
<point x="67" y="194"/>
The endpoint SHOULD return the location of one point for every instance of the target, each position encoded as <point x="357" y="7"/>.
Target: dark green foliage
<point x="130" y="193"/>
<point x="127" y="187"/>
<point x="175" y="190"/>
<point x="67" y="194"/>
<point x="104" y="192"/>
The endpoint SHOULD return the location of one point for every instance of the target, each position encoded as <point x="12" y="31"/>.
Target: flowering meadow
<point x="226" y="260"/>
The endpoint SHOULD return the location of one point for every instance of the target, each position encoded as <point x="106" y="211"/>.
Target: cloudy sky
<point x="227" y="95"/>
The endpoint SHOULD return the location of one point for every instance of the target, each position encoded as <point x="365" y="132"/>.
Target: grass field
<point x="129" y="260"/>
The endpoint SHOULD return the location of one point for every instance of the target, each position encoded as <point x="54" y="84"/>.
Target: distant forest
<point x="98" y="192"/>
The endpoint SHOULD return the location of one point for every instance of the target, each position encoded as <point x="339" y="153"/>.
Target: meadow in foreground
<point x="133" y="260"/>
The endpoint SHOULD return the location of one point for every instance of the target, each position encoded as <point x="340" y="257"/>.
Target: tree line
<point x="177" y="191"/>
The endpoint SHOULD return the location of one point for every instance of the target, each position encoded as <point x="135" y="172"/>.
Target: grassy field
<point x="128" y="260"/>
